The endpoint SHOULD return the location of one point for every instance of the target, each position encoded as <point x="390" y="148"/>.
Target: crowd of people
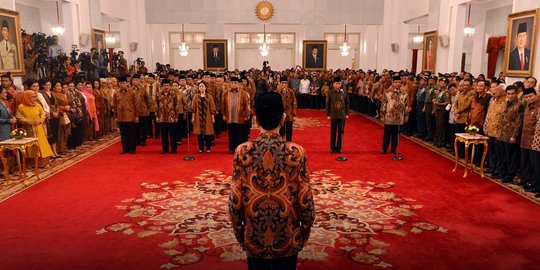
<point x="171" y="104"/>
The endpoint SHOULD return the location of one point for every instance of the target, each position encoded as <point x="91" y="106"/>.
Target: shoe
<point x="428" y="139"/>
<point x="383" y="152"/>
<point x="496" y="176"/>
<point x="231" y="152"/>
<point x="164" y="152"/>
<point x="507" y="180"/>
<point x="528" y="187"/>
<point x="393" y="152"/>
<point x="537" y="195"/>
<point x="174" y="151"/>
<point x="179" y="143"/>
<point x="123" y="152"/>
<point x="522" y="183"/>
<point x="213" y="143"/>
<point x="208" y="151"/>
<point x="143" y="144"/>
<point x="132" y="152"/>
<point x="200" y="151"/>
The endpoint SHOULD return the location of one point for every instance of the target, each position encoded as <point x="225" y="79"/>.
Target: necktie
<point x="521" y="61"/>
<point x="215" y="56"/>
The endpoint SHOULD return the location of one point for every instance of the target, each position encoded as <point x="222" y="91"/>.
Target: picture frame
<point x="98" y="39"/>
<point x="429" y="51"/>
<point x="11" y="46"/>
<point x="522" y="29"/>
<point x="314" y="55"/>
<point x="215" y="56"/>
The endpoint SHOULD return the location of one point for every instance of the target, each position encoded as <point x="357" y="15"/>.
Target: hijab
<point x="27" y="99"/>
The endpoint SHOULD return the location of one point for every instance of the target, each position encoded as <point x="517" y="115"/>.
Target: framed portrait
<point x="520" y="47"/>
<point x="11" y="48"/>
<point x="314" y="56"/>
<point x="429" y="51"/>
<point x="98" y="39"/>
<point x="215" y="54"/>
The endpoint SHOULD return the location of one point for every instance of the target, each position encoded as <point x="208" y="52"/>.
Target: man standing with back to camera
<point x="271" y="203"/>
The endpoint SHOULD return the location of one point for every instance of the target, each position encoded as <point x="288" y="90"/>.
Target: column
<point x="71" y="24"/>
<point x="455" y="48"/>
<point x="479" y="45"/>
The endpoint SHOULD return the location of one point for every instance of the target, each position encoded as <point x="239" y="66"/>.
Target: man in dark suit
<point x="314" y="59"/>
<point x="520" y="56"/>
<point x="215" y="58"/>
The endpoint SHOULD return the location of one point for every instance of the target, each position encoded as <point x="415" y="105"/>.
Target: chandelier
<point x="58" y="30"/>
<point x="110" y="39"/>
<point x="264" y="48"/>
<point x="184" y="49"/>
<point x="469" y="31"/>
<point x="418" y="38"/>
<point x="344" y="48"/>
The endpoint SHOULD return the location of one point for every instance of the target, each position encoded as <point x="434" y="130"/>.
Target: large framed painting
<point x="11" y="49"/>
<point x="520" y="47"/>
<point x="98" y="39"/>
<point x="429" y="51"/>
<point x="314" y="56"/>
<point x="215" y="54"/>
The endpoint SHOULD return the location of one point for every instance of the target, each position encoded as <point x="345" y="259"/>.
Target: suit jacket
<point x="310" y="61"/>
<point x="8" y="55"/>
<point x="271" y="203"/>
<point x="218" y="62"/>
<point x="515" y="63"/>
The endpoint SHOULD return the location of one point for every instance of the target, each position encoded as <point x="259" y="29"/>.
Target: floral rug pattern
<point x="193" y="215"/>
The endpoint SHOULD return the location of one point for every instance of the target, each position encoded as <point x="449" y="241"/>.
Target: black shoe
<point x="213" y="143"/>
<point x="143" y="144"/>
<point x="393" y="152"/>
<point x="383" y="152"/>
<point x="428" y="139"/>
<point x="231" y="152"/>
<point x="174" y="151"/>
<point x="537" y="195"/>
<point x="164" y="152"/>
<point x="496" y="176"/>
<point x="123" y="152"/>
<point x="507" y="180"/>
<point x="522" y="183"/>
<point x="529" y="187"/>
<point x="132" y="152"/>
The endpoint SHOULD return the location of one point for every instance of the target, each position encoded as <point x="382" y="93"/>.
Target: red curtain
<point x="494" y="44"/>
<point x="414" y="60"/>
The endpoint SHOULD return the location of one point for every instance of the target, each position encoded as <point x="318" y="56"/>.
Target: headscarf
<point x="27" y="99"/>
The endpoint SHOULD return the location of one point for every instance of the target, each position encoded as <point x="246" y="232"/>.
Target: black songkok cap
<point x="151" y="75"/>
<point x="269" y="106"/>
<point x="122" y="79"/>
<point x="283" y="79"/>
<point x="521" y="28"/>
<point x="136" y="76"/>
<point x="396" y="78"/>
<point x="529" y="91"/>
<point x="235" y="79"/>
<point x="182" y="77"/>
<point x="165" y="81"/>
<point x="337" y="79"/>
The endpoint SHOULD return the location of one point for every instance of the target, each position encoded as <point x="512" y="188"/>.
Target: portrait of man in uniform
<point x="520" y="43"/>
<point x="215" y="54"/>
<point x="11" y="54"/>
<point x="314" y="56"/>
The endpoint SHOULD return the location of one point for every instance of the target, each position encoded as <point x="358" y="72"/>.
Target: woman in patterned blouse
<point x="203" y="110"/>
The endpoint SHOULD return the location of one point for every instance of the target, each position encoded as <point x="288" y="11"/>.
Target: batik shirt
<point x="511" y="121"/>
<point x="271" y="203"/>
<point x="394" y="106"/>
<point x="167" y="111"/>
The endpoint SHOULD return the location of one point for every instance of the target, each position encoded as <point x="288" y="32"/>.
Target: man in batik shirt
<point x="393" y="114"/>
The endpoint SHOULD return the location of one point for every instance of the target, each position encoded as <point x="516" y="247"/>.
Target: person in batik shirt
<point x="271" y="203"/>
<point x="393" y="114"/>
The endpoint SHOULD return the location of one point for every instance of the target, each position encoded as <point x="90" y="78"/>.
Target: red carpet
<point x="152" y="211"/>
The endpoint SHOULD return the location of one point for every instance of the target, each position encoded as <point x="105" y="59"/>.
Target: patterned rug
<point x="16" y="185"/>
<point x="350" y="219"/>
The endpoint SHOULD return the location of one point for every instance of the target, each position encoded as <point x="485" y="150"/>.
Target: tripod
<point x="341" y="157"/>
<point x="189" y="157"/>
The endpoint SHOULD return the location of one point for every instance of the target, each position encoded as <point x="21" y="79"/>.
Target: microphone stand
<point x="189" y="157"/>
<point x="341" y="157"/>
<point x="398" y="157"/>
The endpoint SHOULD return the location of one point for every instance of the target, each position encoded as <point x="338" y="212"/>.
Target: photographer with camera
<point x="122" y="64"/>
<point x="54" y="49"/>
<point x="93" y="73"/>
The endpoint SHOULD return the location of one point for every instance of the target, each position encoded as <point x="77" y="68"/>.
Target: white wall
<point x="30" y="21"/>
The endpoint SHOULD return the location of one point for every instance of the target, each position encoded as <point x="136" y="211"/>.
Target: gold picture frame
<point x="516" y="38"/>
<point x="429" y="51"/>
<point x="98" y="39"/>
<point x="215" y="54"/>
<point x="310" y="62"/>
<point x="11" y="46"/>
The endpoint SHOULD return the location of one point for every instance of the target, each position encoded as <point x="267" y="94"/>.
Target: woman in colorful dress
<point x="6" y="118"/>
<point x="93" y="124"/>
<point x="101" y="107"/>
<point x="64" y="129"/>
<point x="53" y="122"/>
<point x="203" y="109"/>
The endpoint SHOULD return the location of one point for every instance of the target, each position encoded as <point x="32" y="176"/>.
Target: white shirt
<point x="304" y="86"/>
<point x="43" y="102"/>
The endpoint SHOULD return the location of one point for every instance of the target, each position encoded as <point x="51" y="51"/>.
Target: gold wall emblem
<point x="264" y="10"/>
